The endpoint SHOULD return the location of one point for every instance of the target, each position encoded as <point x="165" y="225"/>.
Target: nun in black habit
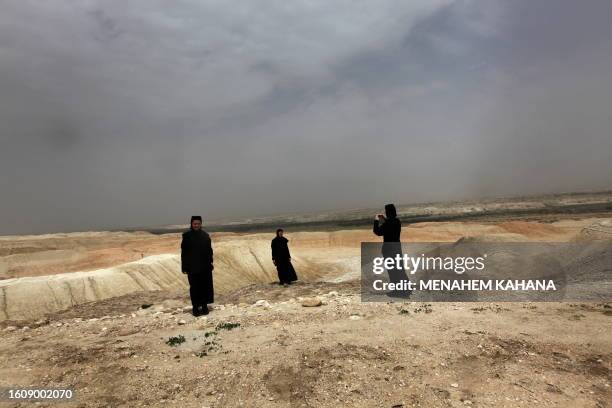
<point x="197" y="263"/>
<point x="282" y="259"/>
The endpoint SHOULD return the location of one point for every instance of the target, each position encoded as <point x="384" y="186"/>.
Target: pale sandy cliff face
<point x="53" y="272"/>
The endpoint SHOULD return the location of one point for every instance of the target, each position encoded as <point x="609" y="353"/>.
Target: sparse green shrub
<point x="227" y="326"/>
<point x="175" y="340"/>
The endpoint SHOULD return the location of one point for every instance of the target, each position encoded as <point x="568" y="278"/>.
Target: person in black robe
<point x="282" y="259"/>
<point x="197" y="263"/>
<point x="389" y="227"/>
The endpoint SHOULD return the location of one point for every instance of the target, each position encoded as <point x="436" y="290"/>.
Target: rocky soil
<point x="314" y="345"/>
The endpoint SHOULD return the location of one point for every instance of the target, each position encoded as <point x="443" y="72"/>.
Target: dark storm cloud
<point x="116" y="114"/>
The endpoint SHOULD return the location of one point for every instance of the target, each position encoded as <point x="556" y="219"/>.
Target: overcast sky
<point x="130" y="113"/>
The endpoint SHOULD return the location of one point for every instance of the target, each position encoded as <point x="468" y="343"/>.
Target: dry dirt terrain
<point x="119" y="333"/>
<point x="264" y="348"/>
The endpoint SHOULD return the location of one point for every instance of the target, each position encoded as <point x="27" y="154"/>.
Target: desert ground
<point x="107" y="314"/>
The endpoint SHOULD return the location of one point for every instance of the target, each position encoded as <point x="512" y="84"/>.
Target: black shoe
<point x="196" y="311"/>
<point x="204" y="310"/>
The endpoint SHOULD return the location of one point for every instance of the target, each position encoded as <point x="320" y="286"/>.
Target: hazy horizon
<point x="263" y="216"/>
<point x="119" y="114"/>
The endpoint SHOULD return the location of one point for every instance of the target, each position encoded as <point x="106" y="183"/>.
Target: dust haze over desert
<point x="483" y="121"/>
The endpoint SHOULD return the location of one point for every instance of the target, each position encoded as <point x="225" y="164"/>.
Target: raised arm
<point x="378" y="229"/>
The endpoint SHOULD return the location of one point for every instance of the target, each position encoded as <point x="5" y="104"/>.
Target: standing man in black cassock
<point x="390" y="228"/>
<point x="282" y="259"/>
<point x="197" y="263"/>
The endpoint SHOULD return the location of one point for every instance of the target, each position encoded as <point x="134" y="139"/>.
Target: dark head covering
<point x="390" y="211"/>
<point x="196" y="217"/>
<point x="279" y="230"/>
